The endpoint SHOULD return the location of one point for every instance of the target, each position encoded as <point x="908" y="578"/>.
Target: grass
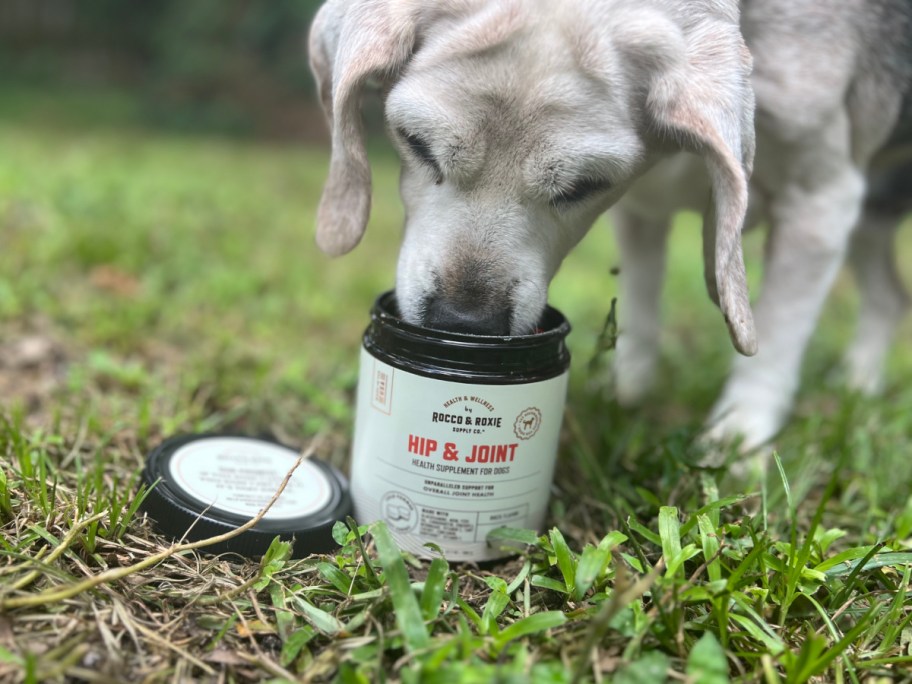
<point x="153" y="284"/>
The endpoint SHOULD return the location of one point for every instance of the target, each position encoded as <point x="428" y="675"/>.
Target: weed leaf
<point x="326" y="623"/>
<point x="408" y="612"/>
<point x="434" y="588"/>
<point x="651" y="668"/>
<point x="706" y="663"/>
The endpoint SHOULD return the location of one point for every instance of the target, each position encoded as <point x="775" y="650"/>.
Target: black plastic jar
<point x="455" y="434"/>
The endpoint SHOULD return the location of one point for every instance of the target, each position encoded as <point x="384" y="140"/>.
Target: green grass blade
<point x="612" y="540"/>
<point x="644" y="531"/>
<point x="534" y="624"/>
<point x="872" y="562"/>
<point x="548" y="583"/>
<point x="342" y="582"/>
<point x="591" y="565"/>
<point x="710" y="542"/>
<point x="6" y="506"/>
<point x="565" y="560"/>
<point x="293" y="645"/>
<point x="9" y="657"/>
<point x="497" y="601"/>
<point x="829" y="566"/>
<point x="321" y="620"/>
<point x="513" y="537"/>
<point x="821" y="663"/>
<point x="670" y="534"/>
<point x="706" y="662"/>
<point x="408" y="612"/>
<point x="520" y="577"/>
<point x="755" y="625"/>
<point x="470" y="613"/>
<point x="130" y="513"/>
<point x="678" y="561"/>
<point x="760" y="547"/>
<point x="785" y="484"/>
<point x="892" y="624"/>
<point x="434" y="588"/>
<point x="880" y="662"/>
<point x="711" y="509"/>
<point x="359" y="541"/>
<point x="798" y="560"/>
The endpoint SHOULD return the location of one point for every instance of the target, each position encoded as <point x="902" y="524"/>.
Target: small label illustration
<point x="527" y="423"/>
<point x="382" y="390"/>
<point x="399" y="511"/>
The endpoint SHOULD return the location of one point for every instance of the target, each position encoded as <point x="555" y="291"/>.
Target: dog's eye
<point x="580" y="190"/>
<point x="421" y="149"/>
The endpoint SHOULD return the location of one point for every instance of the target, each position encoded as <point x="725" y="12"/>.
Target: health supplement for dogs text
<point x="456" y="435"/>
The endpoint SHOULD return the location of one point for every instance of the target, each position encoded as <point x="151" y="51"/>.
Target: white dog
<point x="520" y="121"/>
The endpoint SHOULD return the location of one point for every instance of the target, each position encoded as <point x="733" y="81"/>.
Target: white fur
<point x="516" y="99"/>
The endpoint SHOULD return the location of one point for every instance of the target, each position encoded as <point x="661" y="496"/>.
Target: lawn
<point x="153" y="283"/>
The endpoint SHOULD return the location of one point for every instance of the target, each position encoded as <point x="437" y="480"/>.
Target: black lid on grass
<point x="212" y="484"/>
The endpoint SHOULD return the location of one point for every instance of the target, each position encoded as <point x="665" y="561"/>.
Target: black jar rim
<point x="463" y="357"/>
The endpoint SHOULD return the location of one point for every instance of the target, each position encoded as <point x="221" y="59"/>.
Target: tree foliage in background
<point x="229" y="64"/>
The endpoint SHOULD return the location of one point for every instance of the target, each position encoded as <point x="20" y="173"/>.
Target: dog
<point x="519" y="122"/>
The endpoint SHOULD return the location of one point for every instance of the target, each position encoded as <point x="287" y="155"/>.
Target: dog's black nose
<point x="467" y="317"/>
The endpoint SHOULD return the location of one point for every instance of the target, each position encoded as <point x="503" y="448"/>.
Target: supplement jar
<point x="456" y="434"/>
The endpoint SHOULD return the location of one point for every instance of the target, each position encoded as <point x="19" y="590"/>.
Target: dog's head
<point x="518" y="123"/>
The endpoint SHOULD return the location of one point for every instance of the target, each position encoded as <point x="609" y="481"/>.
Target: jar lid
<point x="207" y="485"/>
<point x="465" y="357"/>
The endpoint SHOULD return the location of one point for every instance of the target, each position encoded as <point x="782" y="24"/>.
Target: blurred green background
<point x="233" y="66"/>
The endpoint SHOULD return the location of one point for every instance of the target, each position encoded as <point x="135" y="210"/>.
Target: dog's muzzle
<point x="465" y="315"/>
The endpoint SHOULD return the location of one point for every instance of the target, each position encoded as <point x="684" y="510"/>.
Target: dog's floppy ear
<point x="700" y="97"/>
<point x="351" y="43"/>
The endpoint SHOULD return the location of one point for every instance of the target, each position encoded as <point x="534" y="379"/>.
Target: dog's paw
<point x="862" y="374"/>
<point x="743" y="470"/>
<point x="634" y="372"/>
<point x="736" y="472"/>
<point x="748" y="426"/>
<point x="749" y="470"/>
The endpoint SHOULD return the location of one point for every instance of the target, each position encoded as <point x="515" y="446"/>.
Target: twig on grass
<point x="226" y="595"/>
<point x="65" y="592"/>
<point x="58" y="551"/>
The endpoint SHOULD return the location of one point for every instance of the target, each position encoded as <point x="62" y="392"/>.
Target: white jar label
<point x="240" y="475"/>
<point x="448" y="462"/>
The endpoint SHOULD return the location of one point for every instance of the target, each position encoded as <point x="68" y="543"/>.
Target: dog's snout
<point x="467" y="317"/>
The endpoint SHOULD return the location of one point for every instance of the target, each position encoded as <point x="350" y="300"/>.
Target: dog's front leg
<point x="884" y="299"/>
<point x="641" y="223"/>
<point x="641" y="242"/>
<point x="815" y="196"/>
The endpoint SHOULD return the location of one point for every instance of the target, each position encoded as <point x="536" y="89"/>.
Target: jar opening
<point x="551" y="322"/>
<point x="464" y="357"/>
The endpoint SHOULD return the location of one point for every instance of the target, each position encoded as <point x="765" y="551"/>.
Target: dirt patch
<point x="33" y="365"/>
